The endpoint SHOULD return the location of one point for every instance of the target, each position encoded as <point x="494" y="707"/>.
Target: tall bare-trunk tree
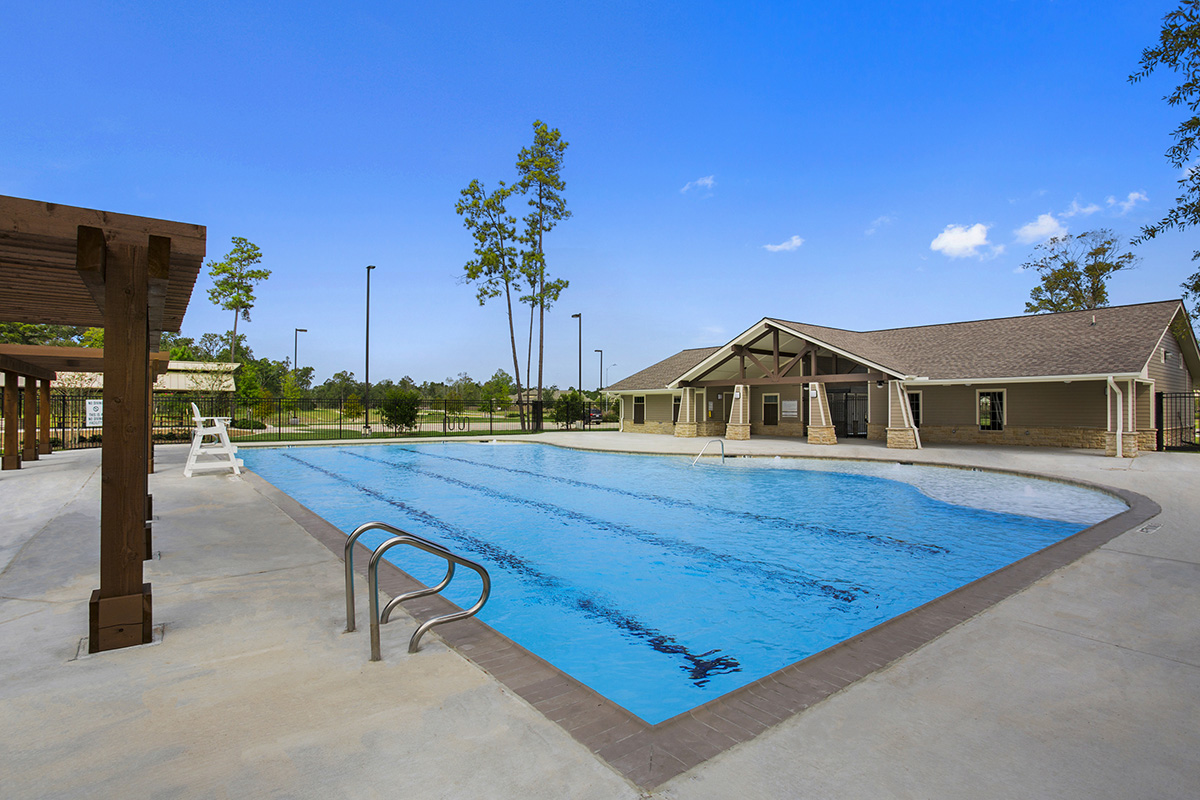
<point x="495" y="262"/>
<point x="538" y="167"/>
<point x="233" y="283"/>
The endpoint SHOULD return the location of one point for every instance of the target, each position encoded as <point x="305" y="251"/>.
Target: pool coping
<point x="649" y="755"/>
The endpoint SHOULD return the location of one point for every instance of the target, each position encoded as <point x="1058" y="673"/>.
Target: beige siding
<point x="658" y="407"/>
<point x="877" y="404"/>
<point x="1144" y="407"/>
<point x="786" y="391"/>
<point x="1077" y="404"/>
<point x="1171" y="376"/>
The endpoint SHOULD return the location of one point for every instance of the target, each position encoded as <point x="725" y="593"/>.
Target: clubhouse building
<point x="1087" y="379"/>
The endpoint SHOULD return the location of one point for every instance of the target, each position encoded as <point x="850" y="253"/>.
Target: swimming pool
<point x="662" y="585"/>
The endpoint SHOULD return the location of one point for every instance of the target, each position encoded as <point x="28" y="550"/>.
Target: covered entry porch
<point x="775" y="381"/>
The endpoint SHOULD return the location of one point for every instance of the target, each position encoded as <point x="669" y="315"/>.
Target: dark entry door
<point x="771" y="409"/>
<point x="849" y="412"/>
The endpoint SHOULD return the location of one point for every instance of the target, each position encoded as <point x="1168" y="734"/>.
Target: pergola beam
<point x="845" y="377"/>
<point x="10" y="363"/>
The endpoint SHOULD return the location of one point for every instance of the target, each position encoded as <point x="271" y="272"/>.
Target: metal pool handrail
<point x="432" y="548"/>
<point x="706" y="444"/>
<point x="349" y="560"/>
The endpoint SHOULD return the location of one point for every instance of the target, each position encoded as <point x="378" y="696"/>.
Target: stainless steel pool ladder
<point x="412" y="540"/>
<point x="706" y="444"/>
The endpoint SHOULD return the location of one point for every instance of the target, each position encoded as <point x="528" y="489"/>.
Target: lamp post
<point x="579" y="385"/>
<point x="367" y="366"/>
<point x="600" y="380"/>
<point x="296" y="348"/>
<point x="296" y="368"/>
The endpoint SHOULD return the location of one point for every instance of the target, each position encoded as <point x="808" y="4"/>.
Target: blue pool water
<point x="662" y="585"/>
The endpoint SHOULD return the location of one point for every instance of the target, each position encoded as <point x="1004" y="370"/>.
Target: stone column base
<point x="1129" y="445"/>
<point x="685" y="429"/>
<point x="902" y="438"/>
<point x="822" y="434"/>
<point x="738" y="433"/>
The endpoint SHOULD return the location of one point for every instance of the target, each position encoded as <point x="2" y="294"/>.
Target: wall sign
<point x="94" y="413"/>
<point x="791" y="408"/>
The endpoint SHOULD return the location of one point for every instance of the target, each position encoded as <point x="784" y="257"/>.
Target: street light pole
<point x="367" y="366"/>
<point x="579" y="386"/>
<point x="600" y="380"/>
<point x="296" y="348"/>
<point x="295" y="420"/>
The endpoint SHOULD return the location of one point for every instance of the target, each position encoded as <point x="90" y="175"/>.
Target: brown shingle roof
<point x="1120" y="342"/>
<point x="1068" y="343"/>
<point x="664" y="372"/>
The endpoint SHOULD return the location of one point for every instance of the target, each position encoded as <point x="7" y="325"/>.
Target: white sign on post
<point x="94" y="413"/>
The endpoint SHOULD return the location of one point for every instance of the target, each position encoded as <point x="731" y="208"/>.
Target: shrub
<point x="400" y="408"/>
<point x="249" y="424"/>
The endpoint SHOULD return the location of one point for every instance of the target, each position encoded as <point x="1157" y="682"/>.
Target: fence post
<point x="1158" y="420"/>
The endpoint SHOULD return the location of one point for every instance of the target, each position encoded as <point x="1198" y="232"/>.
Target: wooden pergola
<point x="132" y="276"/>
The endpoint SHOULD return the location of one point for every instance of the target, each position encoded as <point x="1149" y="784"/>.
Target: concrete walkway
<point x="1085" y="685"/>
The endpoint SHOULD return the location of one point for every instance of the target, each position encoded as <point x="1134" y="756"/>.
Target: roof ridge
<point x="986" y="319"/>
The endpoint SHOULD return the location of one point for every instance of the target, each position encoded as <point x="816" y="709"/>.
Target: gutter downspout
<point x="1112" y="385"/>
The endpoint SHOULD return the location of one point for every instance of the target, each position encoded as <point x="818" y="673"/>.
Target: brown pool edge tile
<point x="649" y="755"/>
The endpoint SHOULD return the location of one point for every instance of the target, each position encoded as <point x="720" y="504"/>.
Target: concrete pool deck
<point x="1085" y="684"/>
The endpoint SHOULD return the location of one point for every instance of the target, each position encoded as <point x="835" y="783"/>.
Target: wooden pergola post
<point x="133" y="276"/>
<point x="12" y="454"/>
<point x="29" y="446"/>
<point x="121" y="610"/>
<point x="44" y="418"/>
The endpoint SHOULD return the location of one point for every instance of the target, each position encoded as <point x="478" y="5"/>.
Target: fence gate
<point x="1176" y="415"/>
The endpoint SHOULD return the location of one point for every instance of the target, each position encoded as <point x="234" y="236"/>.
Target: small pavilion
<point x="132" y="276"/>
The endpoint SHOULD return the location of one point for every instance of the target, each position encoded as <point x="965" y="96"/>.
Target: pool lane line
<point x="700" y="666"/>
<point x="916" y="548"/>
<point x="772" y="575"/>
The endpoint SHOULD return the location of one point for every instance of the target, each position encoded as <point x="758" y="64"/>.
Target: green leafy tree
<point x="568" y="408"/>
<point x="1178" y="49"/>
<point x="92" y="337"/>
<point x="246" y="381"/>
<point x="494" y="269"/>
<point x="53" y="335"/>
<point x="233" y="283"/>
<point x="353" y="408"/>
<point x="181" y="348"/>
<point x="496" y="392"/>
<point x="264" y="403"/>
<point x="538" y="167"/>
<point x="291" y="394"/>
<point x="214" y="346"/>
<point x="400" y="408"/>
<point x="1075" y="271"/>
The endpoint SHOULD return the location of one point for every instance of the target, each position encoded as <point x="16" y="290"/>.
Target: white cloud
<point x="1076" y="210"/>
<point x="1129" y="202"/>
<point x="700" y="183"/>
<point x="959" y="241"/>
<point x="1041" y="229"/>
<point x="790" y="244"/>
<point x="878" y="223"/>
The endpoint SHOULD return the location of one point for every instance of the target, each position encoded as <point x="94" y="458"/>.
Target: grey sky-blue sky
<point x="796" y="160"/>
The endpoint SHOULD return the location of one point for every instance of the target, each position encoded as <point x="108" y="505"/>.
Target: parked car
<point x="595" y="415"/>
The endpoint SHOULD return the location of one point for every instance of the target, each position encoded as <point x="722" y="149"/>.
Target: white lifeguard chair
<point x="224" y="450"/>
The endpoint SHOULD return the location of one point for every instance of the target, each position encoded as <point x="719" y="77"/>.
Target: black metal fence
<point x="277" y="420"/>
<point x="1176" y="415"/>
